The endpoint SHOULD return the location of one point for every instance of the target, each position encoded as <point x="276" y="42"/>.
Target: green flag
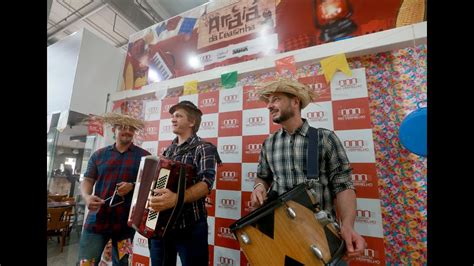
<point x="229" y="80"/>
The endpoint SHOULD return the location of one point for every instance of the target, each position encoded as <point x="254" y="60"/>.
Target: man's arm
<point x="92" y="202"/>
<point x="262" y="181"/>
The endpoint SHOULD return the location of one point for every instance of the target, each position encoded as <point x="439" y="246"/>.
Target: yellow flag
<point x="190" y="87"/>
<point x="331" y="64"/>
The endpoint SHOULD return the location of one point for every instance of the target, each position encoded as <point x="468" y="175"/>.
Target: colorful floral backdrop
<point x="396" y="82"/>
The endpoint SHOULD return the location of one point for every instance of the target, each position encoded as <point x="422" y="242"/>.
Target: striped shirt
<point x="283" y="160"/>
<point x="109" y="167"/>
<point x="203" y="157"/>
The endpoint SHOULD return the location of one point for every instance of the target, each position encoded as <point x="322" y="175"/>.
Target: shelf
<point x="378" y="42"/>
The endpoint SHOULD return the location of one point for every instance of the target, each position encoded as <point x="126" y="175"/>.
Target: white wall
<point x="99" y="69"/>
<point x="62" y="63"/>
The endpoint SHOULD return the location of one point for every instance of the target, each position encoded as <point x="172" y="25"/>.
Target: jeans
<point x="92" y="245"/>
<point x="190" y="243"/>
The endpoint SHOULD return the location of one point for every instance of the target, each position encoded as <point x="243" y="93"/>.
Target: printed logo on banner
<point x="319" y="86"/>
<point x="359" y="145"/>
<point x="162" y="145"/>
<point x="344" y="87"/>
<point x="150" y="146"/>
<point x="252" y="145"/>
<point x="152" y="110"/>
<point x="374" y="253"/>
<point x="230" y="149"/>
<point x="255" y="122"/>
<point x="228" y="204"/>
<point x="230" y="99"/>
<point x="230" y="124"/>
<point x="351" y="114"/>
<point x="166" y="130"/>
<point x="246" y="203"/>
<point x="319" y="115"/>
<point x="210" y="230"/>
<point x="223" y="236"/>
<point x="368" y="218"/>
<point x="151" y="130"/>
<point x="140" y="245"/>
<point x="365" y="179"/>
<point x="208" y="128"/>
<point x="210" y="202"/>
<point x="166" y="104"/>
<point x="229" y="176"/>
<point x="208" y="102"/>
<point x="226" y="256"/>
<point x="251" y="99"/>
<point x="249" y="173"/>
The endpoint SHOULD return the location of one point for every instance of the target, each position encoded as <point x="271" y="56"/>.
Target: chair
<point x="58" y="223"/>
<point x="56" y="197"/>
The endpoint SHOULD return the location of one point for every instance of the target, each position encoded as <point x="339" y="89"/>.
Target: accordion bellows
<point x="158" y="172"/>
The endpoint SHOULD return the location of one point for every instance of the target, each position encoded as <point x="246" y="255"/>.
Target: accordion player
<point x="158" y="172"/>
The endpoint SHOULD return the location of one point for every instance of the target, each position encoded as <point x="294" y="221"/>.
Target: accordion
<point x="158" y="172"/>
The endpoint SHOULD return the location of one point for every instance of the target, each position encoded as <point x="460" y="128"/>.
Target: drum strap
<point x="312" y="157"/>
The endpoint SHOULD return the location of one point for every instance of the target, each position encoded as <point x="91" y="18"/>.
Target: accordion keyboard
<point x="161" y="182"/>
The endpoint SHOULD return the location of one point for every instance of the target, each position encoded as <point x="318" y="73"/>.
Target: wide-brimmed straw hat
<point x="300" y="90"/>
<point x="120" y="119"/>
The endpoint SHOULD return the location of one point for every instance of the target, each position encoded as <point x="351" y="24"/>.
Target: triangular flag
<point x="285" y="63"/>
<point x="190" y="87"/>
<point x="117" y="104"/>
<point x="229" y="80"/>
<point x="331" y="64"/>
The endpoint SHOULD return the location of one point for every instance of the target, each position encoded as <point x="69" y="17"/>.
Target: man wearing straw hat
<point x="113" y="171"/>
<point x="285" y="153"/>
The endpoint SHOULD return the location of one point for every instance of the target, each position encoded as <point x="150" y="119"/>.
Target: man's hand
<point x="163" y="200"/>
<point x="355" y="243"/>
<point x="258" y="196"/>
<point x="93" y="202"/>
<point x="124" y="188"/>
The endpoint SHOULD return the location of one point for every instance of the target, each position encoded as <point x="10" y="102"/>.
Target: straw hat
<point x="119" y="119"/>
<point x="303" y="92"/>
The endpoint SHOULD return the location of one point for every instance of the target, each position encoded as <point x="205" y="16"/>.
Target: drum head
<point x="413" y="134"/>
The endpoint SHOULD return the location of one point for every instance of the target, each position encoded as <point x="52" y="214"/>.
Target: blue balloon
<point x="413" y="134"/>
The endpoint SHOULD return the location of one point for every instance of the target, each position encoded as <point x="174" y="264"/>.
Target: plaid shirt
<point x="204" y="160"/>
<point x="109" y="167"/>
<point x="283" y="160"/>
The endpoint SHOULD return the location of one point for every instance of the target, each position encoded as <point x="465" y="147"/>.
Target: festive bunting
<point x="229" y="80"/>
<point x="190" y="87"/>
<point x="187" y="25"/>
<point x="331" y="64"/>
<point x="285" y="64"/>
<point x="95" y="126"/>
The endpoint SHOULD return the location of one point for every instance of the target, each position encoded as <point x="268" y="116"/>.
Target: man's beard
<point x="125" y="140"/>
<point x="284" y="115"/>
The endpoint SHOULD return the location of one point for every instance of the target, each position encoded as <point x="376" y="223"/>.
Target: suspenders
<point x="312" y="158"/>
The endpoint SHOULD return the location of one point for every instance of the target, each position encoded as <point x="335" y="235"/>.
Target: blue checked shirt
<point x="204" y="160"/>
<point x="283" y="161"/>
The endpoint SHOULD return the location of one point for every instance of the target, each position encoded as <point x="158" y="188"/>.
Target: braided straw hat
<point x="119" y="119"/>
<point x="300" y="90"/>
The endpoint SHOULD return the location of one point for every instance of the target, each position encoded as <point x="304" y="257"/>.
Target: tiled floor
<point x="69" y="255"/>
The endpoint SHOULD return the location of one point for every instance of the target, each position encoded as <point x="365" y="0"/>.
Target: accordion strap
<point x="180" y="191"/>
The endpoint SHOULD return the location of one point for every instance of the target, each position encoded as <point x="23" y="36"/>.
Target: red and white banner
<point x="238" y="123"/>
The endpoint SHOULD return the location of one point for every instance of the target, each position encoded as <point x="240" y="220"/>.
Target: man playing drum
<point x="282" y="161"/>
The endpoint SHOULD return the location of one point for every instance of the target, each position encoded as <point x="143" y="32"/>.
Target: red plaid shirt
<point x="109" y="167"/>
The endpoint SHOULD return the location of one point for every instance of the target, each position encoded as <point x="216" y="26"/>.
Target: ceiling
<point x="112" y="20"/>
